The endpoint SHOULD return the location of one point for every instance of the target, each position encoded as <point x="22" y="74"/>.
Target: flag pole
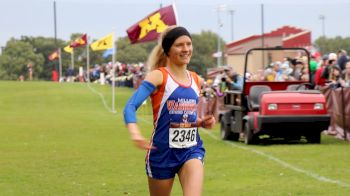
<point x="60" y="63"/>
<point x="72" y="59"/>
<point x="175" y="13"/>
<point x="87" y="60"/>
<point x="55" y="29"/>
<point x="113" y="74"/>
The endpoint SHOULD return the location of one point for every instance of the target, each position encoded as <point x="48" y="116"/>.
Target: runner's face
<point x="180" y="52"/>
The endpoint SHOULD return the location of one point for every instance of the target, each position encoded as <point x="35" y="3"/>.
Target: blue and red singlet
<point x="175" y="135"/>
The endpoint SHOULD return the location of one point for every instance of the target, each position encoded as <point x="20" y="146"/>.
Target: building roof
<point x="289" y="37"/>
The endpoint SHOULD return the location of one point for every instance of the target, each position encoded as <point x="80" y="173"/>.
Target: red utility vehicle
<point x="275" y="102"/>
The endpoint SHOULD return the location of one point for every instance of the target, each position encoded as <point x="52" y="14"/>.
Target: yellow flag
<point x="68" y="49"/>
<point x="104" y="43"/>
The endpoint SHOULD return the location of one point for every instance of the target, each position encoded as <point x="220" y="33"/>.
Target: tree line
<point x="19" y="52"/>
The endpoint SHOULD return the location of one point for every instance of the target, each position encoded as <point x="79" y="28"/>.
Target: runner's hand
<point x="137" y="138"/>
<point x="207" y="122"/>
<point x="143" y="144"/>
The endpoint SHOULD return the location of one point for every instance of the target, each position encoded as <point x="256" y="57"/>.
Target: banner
<point x="149" y="28"/>
<point x="338" y="106"/>
<point x="104" y="43"/>
<point x="82" y="41"/>
<point x="53" y="56"/>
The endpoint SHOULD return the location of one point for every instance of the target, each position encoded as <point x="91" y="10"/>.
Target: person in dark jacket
<point x="342" y="59"/>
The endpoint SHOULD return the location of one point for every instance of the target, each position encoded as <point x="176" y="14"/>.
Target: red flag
<point x="149" y="28"/>
<point x="53" y="56"/>
<point x="79" y="42"/>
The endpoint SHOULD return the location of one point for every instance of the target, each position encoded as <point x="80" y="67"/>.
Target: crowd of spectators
<point x="332" y="70"/>
<point x="127" y="75"/>
<point x="329" y="71"/>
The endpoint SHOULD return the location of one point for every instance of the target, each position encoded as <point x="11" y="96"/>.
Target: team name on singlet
<point x="182" y="106"/>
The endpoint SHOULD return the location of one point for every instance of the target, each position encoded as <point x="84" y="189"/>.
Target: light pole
<point x="220" y="24"/>
<point x="323" y="18"/>
<point x="231" y="12"/>
<point x="262" y="33"/>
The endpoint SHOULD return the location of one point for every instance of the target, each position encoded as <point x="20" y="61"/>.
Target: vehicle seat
<point x="254" y="96"/>
<point x="293" y="87"/>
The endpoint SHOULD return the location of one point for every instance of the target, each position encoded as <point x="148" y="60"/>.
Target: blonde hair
<point x="157" y="57"/>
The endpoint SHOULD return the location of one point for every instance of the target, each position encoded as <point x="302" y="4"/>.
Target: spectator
<point x="70" y="75"/>
<point x="332" y="60"/>
<point x="314" y="66"/>
<point x="258" y="76"/>
<point x="342" y="59"/>
<point x="30" y="71"/>
<point x="21" y="78"/>
<point x="284" y="72"/>
<point x="234" y="81"/>
<point x="319" y="81"/>
<point x="270" y="73"/>
<point x="81" y="74"/>
<point x="305" y="74"/>
<point x="334" y="77"/>
<point x="218" y="78"/>
<point x="345" y="80"/>
<point x="298" y="69"/>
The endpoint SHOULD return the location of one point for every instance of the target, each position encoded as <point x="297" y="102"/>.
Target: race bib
<point x="182" y="137"/>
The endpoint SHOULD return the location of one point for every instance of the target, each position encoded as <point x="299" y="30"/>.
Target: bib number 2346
<point x="182" y="137"/>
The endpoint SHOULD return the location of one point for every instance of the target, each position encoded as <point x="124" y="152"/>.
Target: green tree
<point x="133" y="53"/>
<point x="15" y="57"/>
<point x="204" y="45"/>
<point x="45" y="47"/>
<point x="18" y="53"/>
<point x="326" y="45"/>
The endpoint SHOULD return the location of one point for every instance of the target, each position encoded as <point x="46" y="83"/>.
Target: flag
<point x="79" y="42"/>
<point x="54" y="55"/>
<point x="149" y="28"/>
<point x="104" y="43"/>
<point x="107" y="53"/>
<point x="68" y="49"/>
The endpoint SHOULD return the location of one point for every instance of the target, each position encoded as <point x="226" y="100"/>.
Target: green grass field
<point x="60" y="139"/>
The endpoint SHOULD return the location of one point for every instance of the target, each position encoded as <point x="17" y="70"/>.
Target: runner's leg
<point x="191" y="177"/>
<point x="160" y="187"/>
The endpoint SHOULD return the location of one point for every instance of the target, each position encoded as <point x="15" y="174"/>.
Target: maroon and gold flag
<point x="53" y="56"/>
<point x="149" y="28"/>
<point x="82" y="41"/>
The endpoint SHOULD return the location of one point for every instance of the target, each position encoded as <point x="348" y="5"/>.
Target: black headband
<point x="171" y="36"/>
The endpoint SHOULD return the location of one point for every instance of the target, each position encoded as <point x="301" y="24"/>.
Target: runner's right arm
<point x="147" y="87"/>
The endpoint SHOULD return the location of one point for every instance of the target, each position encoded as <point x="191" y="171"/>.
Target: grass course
<point x="60" y="139"/>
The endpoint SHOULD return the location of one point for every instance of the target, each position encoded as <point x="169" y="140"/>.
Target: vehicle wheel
<point x="248" y="134"/>
<point x="225" y="130"/>
<point x="314" y="138"/>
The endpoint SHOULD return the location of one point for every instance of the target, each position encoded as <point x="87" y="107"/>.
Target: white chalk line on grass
<point x="283" y="163"/>
<point x="104" y="101"/>
<point x="101" y="96"/>
<point x="270" y="157"/>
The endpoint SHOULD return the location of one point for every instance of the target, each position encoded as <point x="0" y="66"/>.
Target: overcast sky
<point x="100" y="17"/>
